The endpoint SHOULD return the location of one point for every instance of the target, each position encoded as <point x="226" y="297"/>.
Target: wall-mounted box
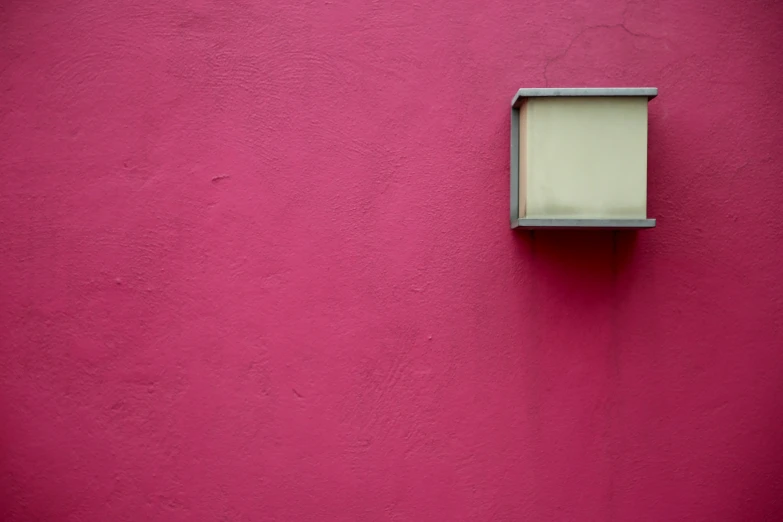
<point x="579" y="158"/>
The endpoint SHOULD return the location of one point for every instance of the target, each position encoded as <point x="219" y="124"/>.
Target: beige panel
<point x="586" y="157"/>
<point x="523" y="159"/>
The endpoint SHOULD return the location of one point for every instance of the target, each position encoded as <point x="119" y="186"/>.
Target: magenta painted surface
<point x="257" y="266"/>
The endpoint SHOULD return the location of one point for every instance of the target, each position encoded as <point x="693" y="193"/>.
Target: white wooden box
<point x="579" y="158"/>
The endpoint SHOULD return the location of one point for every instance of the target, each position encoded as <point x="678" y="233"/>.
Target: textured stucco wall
<point x="256" y="265"/>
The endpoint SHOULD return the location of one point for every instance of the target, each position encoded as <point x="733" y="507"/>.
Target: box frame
<point x="528" y="223"/>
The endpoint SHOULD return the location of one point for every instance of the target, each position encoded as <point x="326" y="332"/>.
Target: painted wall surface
<point x="256" y="265"/>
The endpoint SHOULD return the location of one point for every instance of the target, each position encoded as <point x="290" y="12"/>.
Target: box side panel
<point x="523" y="160"/>
<point x="514" y="167"/>
<point x="587" y="158"/>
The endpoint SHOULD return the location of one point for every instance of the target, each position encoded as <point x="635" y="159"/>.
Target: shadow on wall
<point x="578" y="256"/>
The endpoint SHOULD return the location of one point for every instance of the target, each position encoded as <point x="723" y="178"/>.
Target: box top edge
<point x="648" y="92"/>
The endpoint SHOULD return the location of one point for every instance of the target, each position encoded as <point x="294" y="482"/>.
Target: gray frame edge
<point x="514" y="169"/>
<point x="648" y="92"/>
<point x="628" y="224"/>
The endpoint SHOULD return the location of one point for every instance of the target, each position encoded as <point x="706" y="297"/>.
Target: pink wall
<point x="257" y="266"/>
